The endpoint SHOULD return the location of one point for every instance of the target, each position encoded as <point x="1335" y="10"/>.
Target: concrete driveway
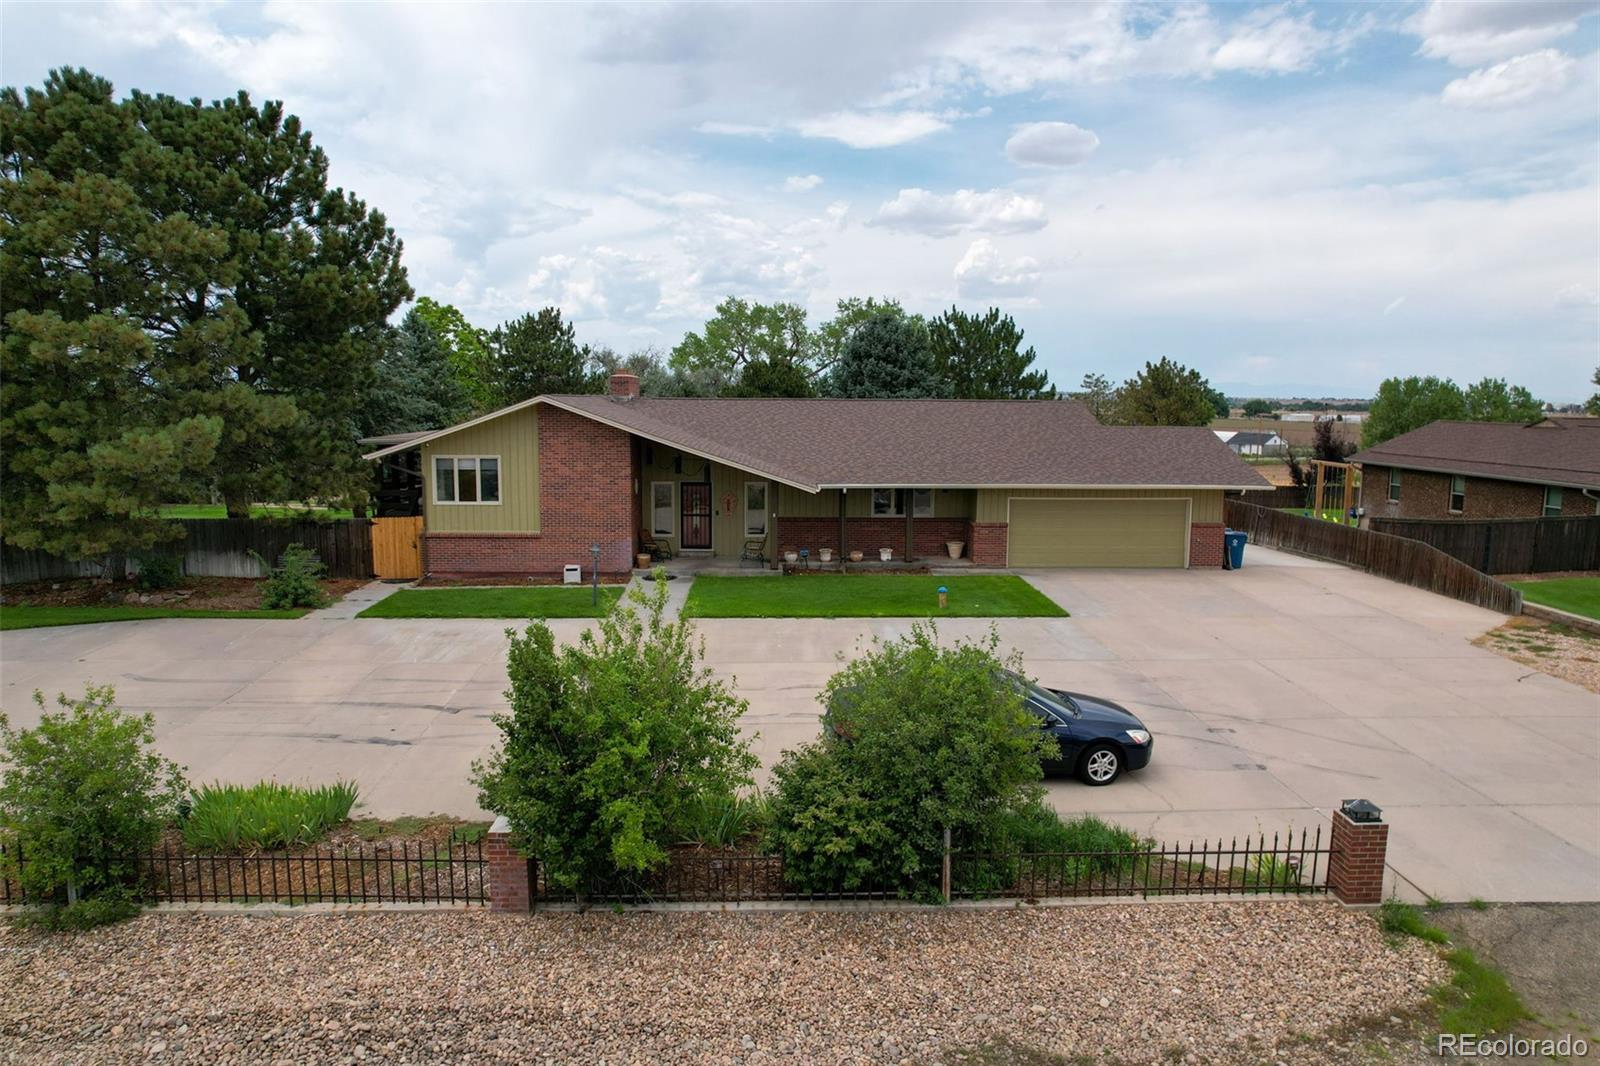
<point x="1274" y="691"/>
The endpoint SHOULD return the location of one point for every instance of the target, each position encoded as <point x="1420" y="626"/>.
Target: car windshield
<point x="1056" y="703"/>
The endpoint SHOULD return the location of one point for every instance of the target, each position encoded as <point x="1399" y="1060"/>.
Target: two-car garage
<point x="1090" y="531"/>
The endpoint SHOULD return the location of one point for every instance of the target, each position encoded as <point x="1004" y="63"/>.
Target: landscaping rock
<point x="694" y="987"/>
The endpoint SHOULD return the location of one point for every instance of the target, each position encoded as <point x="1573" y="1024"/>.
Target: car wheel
<point x="1102" y="764"/>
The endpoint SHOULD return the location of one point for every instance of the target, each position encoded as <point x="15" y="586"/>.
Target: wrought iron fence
<point x="451" y="872"/>
<point x="1284" y="863"/>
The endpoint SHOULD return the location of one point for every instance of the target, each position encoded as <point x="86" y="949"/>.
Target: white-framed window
<point x="755" y="508"/>
<point x="466" y="479"/>
<point x="1394" y="485"/>
<point x="1552" y="501"/>
<point x="891" y="503"/>
<point x="663" y="508"/>
<point x="1458" y="494"/>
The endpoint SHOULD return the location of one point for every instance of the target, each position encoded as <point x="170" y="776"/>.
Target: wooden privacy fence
<point x="1508" y="545"/>
<point x="221" y="547"/>
<point x="1281" y="496"/>
<point x="1396" y="558"/>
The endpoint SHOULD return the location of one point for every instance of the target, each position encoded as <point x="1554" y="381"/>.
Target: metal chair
<point x="754" y="551"/>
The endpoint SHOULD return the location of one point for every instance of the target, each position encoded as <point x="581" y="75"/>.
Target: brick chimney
<point x="624" y="387"/>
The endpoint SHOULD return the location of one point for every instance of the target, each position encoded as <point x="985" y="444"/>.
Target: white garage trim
<point x="1188" y="515"/>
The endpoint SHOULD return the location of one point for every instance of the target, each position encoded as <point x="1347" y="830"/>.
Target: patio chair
<point x="656" y="549"/>
<point x="754" y="551"/>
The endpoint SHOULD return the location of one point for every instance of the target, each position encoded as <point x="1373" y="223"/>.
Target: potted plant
<point x="954" y="548"/>
<point x="885" y="554"/>
<point x="643" y="559"/>
<point x="790" y="555"/>
<point x="825" y="554"/>
<point x="855" y="556"/>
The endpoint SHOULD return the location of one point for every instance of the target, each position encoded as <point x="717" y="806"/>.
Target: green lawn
<point x="1575" y="595"/>
<point x="36" y="617"/>
<point x="867" y="596"/>
<point x="217" y="510"/>
<point x="544" y="601"/>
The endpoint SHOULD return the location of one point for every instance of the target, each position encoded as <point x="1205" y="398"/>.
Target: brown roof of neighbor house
<point x="815" y="444"/>
<point x="1552" y="451"/>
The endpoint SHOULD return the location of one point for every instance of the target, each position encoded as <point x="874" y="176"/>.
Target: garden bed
<point x="196" y="593"/>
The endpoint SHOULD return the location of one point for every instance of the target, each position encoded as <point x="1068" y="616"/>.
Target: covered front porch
<point x="885" y="525"/>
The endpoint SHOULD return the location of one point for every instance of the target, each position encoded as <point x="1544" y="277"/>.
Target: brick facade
<point x="1424" y="494"/>
<point x="1357" y="852"/>
<point x="867" y="535"/>
<point x="987" y="545"/>
<point x="587" y="474"/>
<point x="1205" y="544"/>
<point x="509" y="889"/>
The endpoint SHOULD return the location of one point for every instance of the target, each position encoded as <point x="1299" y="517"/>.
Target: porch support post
<point x="910" y="507"/>
<point x="843" y="551"/>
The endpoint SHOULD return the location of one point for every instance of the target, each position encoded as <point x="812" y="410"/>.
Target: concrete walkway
<point x="1275" y="692"/>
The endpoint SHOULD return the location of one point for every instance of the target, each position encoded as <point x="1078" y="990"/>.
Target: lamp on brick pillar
<point x="510" y="891"/>
<point x="1357" y="852"/>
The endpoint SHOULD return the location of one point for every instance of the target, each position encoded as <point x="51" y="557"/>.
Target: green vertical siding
<point x="727" y="524"/>
<point x="514" y="438"/>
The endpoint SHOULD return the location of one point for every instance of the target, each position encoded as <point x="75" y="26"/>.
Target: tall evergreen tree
<point x="416" y="386"/>
<point x="887" y="357"/>
<point x="982" y="358"/>
<point x="111" y="314"/>
<point x="1100" y="396"/>
<point x="535" y="354"/>
<point x="1165" y="394"/>
<point x="827" y="341"/>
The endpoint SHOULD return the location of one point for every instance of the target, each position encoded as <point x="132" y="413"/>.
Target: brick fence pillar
<point x="1357" y="852"/>
<point x="509" y="890"/>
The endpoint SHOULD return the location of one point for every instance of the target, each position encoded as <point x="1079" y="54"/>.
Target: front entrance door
<point x="696" y="497"/>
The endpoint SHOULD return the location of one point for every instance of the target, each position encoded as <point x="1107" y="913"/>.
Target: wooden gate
<point x="397" y="547"/>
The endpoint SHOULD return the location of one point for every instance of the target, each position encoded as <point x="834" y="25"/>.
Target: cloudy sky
<point x="1290" y="197"/>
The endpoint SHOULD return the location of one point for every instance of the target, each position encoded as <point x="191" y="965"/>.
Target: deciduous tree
<point x="1492" y="400"/>
<point x="1257" y="408"/>
<point x="467" y="348"/>
<point x="743" y="332"/>
<point x="1404" y="404"/>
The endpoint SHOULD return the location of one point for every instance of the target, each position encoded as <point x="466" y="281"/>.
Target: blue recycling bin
<point x="1234" y="540"/>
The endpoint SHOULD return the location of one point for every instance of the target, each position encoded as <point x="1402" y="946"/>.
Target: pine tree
<point x="887" y="357"/>
<point x="537" y="354"/>
<point x="982" y="358"/>
<point x="416" y="387"/>
<point x="1165" y="394"/>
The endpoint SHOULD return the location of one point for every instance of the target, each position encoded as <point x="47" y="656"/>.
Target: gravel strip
<point x="1560" y="651"/>
<point x="1223" y="982"/>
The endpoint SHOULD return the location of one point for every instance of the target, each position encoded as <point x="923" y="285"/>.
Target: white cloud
<point x="872" y="129"/>
<point x="995" y="211"/>
<point x="801" y="182"/>
<point x="1516" y="81"/>
<point x="1577" y="295"/>
<point x="1051" y="144"/>
<point x="1270" y="41"/>
<point x="735" y="129"/>
<point x="1468" y="34"/>
<point x="605" y="283"/>
<point x="1393" y="306"/>
<point x="982" y="274"/>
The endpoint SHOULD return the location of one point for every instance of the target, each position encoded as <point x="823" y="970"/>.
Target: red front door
<point x="696" y="497"/>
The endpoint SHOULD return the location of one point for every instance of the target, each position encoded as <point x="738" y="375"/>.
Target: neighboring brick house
<point x="531" y="488"/>
<point x="1476" y="470"/>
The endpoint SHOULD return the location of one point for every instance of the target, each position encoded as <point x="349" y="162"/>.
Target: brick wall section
<point x="1424" y="494"/>
<point x="586" y="477"/>
<point x="1205" y="544"/>
<point x="509" y="891"/>
<point x="928" y="535"/>
<point x="987" y="544"/>
<point x="1357" y="852"/>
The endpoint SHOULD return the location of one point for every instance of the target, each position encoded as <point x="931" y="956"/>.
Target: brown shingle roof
<point x="1555" y="451"/>
<point x="950" y="443"/>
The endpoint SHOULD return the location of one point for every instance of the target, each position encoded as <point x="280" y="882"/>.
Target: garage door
<point x="1099" y="532"/>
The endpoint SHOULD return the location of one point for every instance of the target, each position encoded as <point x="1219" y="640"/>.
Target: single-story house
<point x="528" y="489"/>
<point x="1252" y="442"/>
<point x="1485" y="470"/>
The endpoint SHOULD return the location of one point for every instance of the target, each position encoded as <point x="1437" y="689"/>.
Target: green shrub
<point x="1051" y="845"/>
<point x="918" y="738"/>
<point x="1403" y="919"/>
<point x="83" y="793"/>
<point x="722" y="820"/>
<point x="111" y="905"/>
<point x="159" y="570"/>
<point x="295" y="581"/>
<point x="609" y="742"/>
<point x="265" y="815"/>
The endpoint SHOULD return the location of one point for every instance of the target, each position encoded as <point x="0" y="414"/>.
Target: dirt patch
<point x="1551" y="576"/>
<point x="1550" y="648"/>
<point x="196" y="593"/>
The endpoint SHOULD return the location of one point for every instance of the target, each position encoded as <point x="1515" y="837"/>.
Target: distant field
<point x="1298" y="434"/>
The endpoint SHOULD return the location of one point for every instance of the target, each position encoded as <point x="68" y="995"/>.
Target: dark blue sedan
<point x="1097" y="739"/>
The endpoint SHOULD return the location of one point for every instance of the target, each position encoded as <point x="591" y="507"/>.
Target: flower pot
<point x="791" y="557"/>
<point x="643" y="559"/>
<point x="885" y="554"/>
<point x="954" y="548"/>
<point x="825" y="554"/>
<point x="855" y="557"/>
